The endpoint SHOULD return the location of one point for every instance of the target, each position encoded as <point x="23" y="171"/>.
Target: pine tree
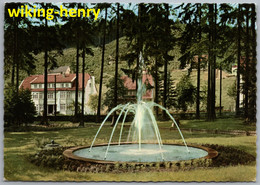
<point x="18" y="45"/>
<point x="106" y="6"/>
<point x="50" y="40"/>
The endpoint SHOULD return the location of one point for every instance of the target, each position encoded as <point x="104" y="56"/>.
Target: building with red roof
<point x="65" y="90"/>
<point x="131" y="88"/>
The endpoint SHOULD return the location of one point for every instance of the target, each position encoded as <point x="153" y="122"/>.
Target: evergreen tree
<point x="185" y="93"/>
<point x="252" y="88"/>
<point x="170" y="91"/>
<point x="18" y="48"/>
<point x="193" y="41"/>
<point x="49" y="40"/>
<point x="117" y="58"/>
<point x="106" y="6"/>
<point x="135" y="30"/>
<point x="238" y="59"/>
<point x="15" y="112"/>
<point x="109" y="95"/>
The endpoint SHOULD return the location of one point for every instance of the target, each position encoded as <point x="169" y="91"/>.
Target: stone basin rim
<point x="68" y="153"/>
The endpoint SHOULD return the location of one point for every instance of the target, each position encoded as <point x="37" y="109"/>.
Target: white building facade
<point x="65" y="92"/>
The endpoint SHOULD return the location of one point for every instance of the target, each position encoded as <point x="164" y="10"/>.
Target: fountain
<point x="143" y="142"/>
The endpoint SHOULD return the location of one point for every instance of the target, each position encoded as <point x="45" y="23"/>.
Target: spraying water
<point x="144" y="127"/>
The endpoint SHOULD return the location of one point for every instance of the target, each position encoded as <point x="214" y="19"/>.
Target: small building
<point x="131" y="88"/>
<point x="65" y="70"/>
<point x="65" y="91"/>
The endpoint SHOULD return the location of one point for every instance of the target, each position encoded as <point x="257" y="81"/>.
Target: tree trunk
<point x="165" y="82"/>
<point x="252" y="88"/>
<point x="238" y="60"/>
<point x="14" y="52"/>
<point x="198" y="91"/>
<point x="139" y="42"/>
<point x="16" y="57"/>
<point x="55" y="97"/>
<point x="247" y="62"/>
<point x="102" y="69"/>
<point x="220" y="91"/>
<point x="17" y="66"/>
<point x="77" y="81"/>
<point x="83" y="89"/>
<point x="165" y="87"/>
<point x="116" y="64"/>
<point x="45" y="101"/>
<point x="211" y="66"/>
<point x="156" y="88"/>
<point x="198" y="68"/>
<point x="13" y="72"/>
<point x="214" y="62"/>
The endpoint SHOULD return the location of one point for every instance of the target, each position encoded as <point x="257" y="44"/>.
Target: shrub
<point x="18" y="107"/>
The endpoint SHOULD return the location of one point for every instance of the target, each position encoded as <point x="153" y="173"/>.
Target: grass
<point x="18" y="144"/>
<point x="219" y="124"/>
<point x="232" y="173"/>
<point x="227" y="102"/>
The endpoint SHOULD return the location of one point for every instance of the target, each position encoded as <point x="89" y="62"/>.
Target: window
<point x="62" y="107"/>
<point x="50" y="85"/>
<point x="68" y="94"/>
<point x="50" y="95"/>
<point x="63" y="94"/>
<point x="67" y="84"/>
<point x="89" y="84"/>
<point x="35" y="95"/>
<point x="40" y="96"/>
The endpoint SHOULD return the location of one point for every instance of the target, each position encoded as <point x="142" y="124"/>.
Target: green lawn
<point x="219" y="124"/>
<point x="19" y="144"/>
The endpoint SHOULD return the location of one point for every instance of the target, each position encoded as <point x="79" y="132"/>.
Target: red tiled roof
<point x="59" y="78"/>
<point x="130" y="85"/>
<point x="26" y="82"/>
<point x="148" y="94"/>
<point x="39" y="79"/>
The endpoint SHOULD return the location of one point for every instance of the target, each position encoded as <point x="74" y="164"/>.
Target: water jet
<point x="143" y="143"/>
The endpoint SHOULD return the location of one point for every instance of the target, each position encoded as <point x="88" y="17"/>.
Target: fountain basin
<point x="130" y="153"/>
